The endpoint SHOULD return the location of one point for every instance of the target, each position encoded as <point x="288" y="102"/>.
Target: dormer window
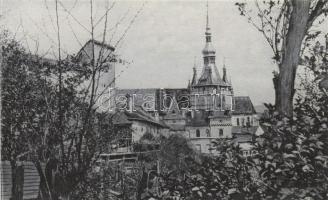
<point x="197" y="133"/>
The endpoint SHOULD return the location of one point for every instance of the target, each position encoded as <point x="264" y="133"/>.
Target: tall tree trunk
<point x="276" y="84"/>
<point x="44" y="190"/>
<point x="17" y="181"/>
<point x="295" y="35"/>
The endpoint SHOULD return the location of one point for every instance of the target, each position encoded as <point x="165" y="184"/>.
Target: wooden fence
<point x="31" y="180"/>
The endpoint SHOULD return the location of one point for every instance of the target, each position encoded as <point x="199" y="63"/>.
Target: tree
<point x="286" y="25"/>
<point x="292" y="159"/>
<point x="60" y="119"/>
<point x="16" y="98"/>
<point x="169" y="165"/>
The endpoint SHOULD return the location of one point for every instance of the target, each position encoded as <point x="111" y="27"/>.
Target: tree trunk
<point x="45" y="192"/>
<point x="17" y="181"/>
<point x="295" y="35"/>
<point x="276" y="84"/>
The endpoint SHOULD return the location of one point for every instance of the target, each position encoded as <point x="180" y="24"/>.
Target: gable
<point x="243" y="105"/>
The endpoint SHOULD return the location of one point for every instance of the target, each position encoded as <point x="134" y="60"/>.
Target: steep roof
<point x="243" y="134"/>
<point x="244" y="130"/>
<point x="158" y="93"/>
<point x="199" y="119"/>
<point x="177" y="127"/>
<point x="120" y="118"/>
<point x="139" y="95"/>
<point x="220" y="114"/>
<point x="243" y="105"/>
<point x="210" y="76"/>
<point x="100" y="50"/>
<point x="126" y="118"/>
<point x="98" y="43"/>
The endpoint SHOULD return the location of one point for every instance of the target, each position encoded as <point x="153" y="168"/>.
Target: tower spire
<point x="194" y="77"/>
<point x="208" y="38"/>
<point x="208" y="29"/>
<point x="207" y="22"/>
<point x="224" y="77"/>
<point x="209" y="57"/>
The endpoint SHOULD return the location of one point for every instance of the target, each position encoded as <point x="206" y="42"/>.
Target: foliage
<point x="50" y="121"/>
<point x="292" y="159"/>
<point x="292" y="163"/>
<point x="289" y="27"/>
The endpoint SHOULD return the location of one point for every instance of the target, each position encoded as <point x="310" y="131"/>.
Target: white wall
<point x="224" y="124"/>
<point x="253" y="118"/>
<point x="204" y="145"/>
<point x="140" y="128"/>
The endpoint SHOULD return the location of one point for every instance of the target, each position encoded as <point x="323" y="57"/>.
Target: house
<point x="175" y="117"/>
<point x="204" y="128"/>
<point x="245" y="137"/>
<point x="105" y="59"/>
<point x="130" y="127"/>
<point x="244" y="113"/>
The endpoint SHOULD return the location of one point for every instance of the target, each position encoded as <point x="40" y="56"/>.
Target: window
<point x="208" y="133"/>
<point x="212" y="60"/>
<point x="221" y="132"/>
<point x="248" y="123"/>
<point x="243" y="122"/>
<point x="198" y="147"/>
<point x="209" y="148"/>
<point x="206" y="60"/>
<point x="238" y="124"/>
<point x="197" y="133"/>
<point x="254" y="152"/>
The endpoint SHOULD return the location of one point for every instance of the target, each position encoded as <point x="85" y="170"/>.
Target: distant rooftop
<point x="243" y="105"/>
<point x="126" y="118"/>
<point x="99" y="43"/>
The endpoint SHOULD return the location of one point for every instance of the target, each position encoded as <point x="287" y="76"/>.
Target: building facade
<point x="203" y="112"/>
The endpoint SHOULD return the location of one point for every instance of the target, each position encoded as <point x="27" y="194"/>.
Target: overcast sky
<point x="162" y="44"/>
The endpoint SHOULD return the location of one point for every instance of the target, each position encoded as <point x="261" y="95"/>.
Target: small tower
<point x="194" y="76"/>
<point x="209" y="53"/>
<point x="210" y="88"/>
<point x="224" y="77"/>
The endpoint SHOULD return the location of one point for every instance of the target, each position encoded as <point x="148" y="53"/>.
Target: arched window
<point x="221" y="132"/>
<point x="208" y="133"/>
<point x="197" y="133"/>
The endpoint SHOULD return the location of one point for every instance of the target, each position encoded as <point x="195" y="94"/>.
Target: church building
<point x="203" y="112"/>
